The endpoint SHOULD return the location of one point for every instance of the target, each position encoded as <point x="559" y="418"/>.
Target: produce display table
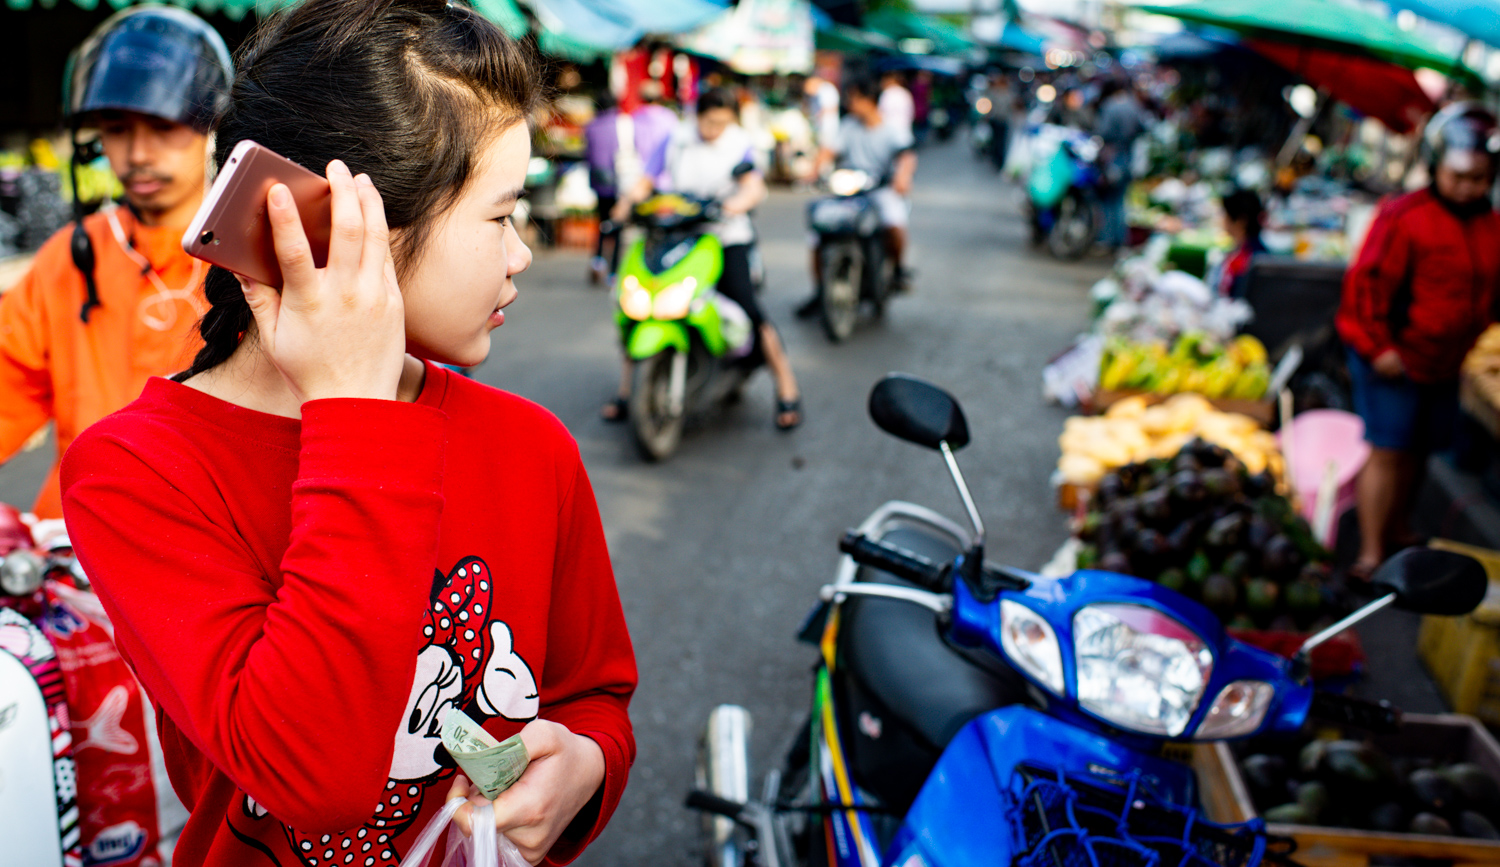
<point x="1263" y="411"/>
<point x="1227" y="798"/>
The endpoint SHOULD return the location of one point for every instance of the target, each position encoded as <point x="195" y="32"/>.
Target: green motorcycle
<point x="692" y="348"/>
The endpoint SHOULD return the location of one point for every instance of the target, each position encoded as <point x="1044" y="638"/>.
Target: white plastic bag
<point x="486" y="848"/>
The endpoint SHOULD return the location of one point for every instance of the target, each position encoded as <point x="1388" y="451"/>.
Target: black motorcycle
<point x="854" y="269"/>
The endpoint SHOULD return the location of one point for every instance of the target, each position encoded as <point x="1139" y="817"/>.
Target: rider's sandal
<point x="617" y="410"/>
<point x="788" y="407"/>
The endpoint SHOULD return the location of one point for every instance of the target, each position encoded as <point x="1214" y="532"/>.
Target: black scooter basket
<point x="1082" y="820"/>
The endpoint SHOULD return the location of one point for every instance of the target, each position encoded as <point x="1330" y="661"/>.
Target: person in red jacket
<point x="1424" y="286"/>
<point x="315" y="544"/>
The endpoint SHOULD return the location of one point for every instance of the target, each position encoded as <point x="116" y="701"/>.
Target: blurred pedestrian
<point x="112" y="301"/>
<point x="896" y="105"/>
<point x="602" y="149"/>
<point x="1119" y="122"/>
<point x="822" y="109"/>
<point x="1423" y="287"/>
<point x="1244" y="215"/>
<point x="921" y="100"/>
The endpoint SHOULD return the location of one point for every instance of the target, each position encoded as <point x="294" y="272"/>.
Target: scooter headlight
<point x="1028" y="640"/>
<point x="635" y="300"/>
<point x="1139" y="668"/>
<point x="673" y="302"/>
<point x="1238" y="711"/>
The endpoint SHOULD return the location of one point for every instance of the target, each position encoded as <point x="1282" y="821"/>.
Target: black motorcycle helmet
<point x="1462" y="127"/>
<point x="156" y="60"/>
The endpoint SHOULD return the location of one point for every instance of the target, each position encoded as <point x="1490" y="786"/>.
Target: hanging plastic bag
<point x="486" y="847"/>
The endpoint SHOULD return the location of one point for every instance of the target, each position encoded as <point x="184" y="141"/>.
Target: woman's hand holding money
<point x="565" y="772"/>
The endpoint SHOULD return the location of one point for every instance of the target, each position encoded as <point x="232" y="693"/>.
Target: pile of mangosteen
<point x="1200" y="524"/>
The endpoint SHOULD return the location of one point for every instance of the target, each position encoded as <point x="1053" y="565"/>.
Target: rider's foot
<point x="788" y="413"/>
<point x="903" y="280"/>
<point x="810" y="308"/>
<point x="616" y="410"/>
<point x="598" y="271"/>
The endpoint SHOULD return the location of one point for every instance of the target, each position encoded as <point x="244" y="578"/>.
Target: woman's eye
<point x="503" y="221"/>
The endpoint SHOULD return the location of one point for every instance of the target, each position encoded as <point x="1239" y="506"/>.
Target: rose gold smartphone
<point x="232" y="230"/>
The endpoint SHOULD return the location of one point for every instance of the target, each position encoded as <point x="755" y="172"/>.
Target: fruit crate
<point x="1463" y="653"/>
<point x="1226" y="798"/>
<point x="1263" y="411"/>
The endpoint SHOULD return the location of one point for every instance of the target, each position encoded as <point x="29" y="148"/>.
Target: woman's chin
<point x="467" y="356"/>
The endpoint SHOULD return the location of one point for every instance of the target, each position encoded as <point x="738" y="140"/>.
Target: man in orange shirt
<point x="115" y="301"/>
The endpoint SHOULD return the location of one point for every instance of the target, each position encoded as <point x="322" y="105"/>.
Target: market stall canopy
<point x="617" y="24"/>
<point x="1381" y="90"/>
<point x="1319" y="23"/>
<point x="852" y="40"/>
<point x="759" y="37"/>
<point x="234" y="10"/>
<point x="902" y="26"/>
<point x="1477" y="19"/>
<point x="1014" y="37"/>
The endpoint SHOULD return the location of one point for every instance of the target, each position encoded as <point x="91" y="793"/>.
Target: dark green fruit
<point x="1313" y="795"/>
<point x="1477" y="786"/>
<point x="1172" y="579"/>
<point x="1311" y="757"/>
<point x="1220" y="594"/>
<point x="1280" y="558"/>
<point x="1390" y="817"/>
<point x="1431" y="788"/>
<point x="1240" y="621"/>
<point x="1265" y="773"/>
<point x="1350" y="760"/>
<point x="1111" y="488"/>
<point x="1186" y="462"/>
<point x="1225" y="532"/>
<point x="1114" y="561"/>
<point x="1198" y="568"/>
<point x="1427" y="823"/>
<point x="1150" y="542"/>
<point x="1260" y="597"/>
<point x="1236" y="565"/>
<point x="1472" y="824"/>
<point x="1088" y="555"/>
<point x="1156" y="506"/>
<point x="1303" y="599"/>
<point x="1187" y="487"/>
<point x="1289" y="814"/>
<point x="1222" y="485"/>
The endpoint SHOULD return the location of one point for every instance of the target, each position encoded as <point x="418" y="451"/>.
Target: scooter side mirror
<point x="1429" y="581"/>
<point x="919" y="412"/>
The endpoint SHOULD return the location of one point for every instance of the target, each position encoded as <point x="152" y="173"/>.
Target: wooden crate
<point x="1463" y="653"/>
<point x="1220" y="781"/>
<point x="1263" y="411"/>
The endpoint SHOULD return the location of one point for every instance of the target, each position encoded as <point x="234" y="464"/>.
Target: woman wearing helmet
<point x="112" y="300"/>
<point x="1421" y="290"/>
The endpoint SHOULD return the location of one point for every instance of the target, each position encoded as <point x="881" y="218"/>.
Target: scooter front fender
<point x="650" y="337"/>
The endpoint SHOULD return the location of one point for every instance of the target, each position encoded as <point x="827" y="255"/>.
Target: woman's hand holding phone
<point x="340" y="330"/>
<point x="564" y="773"/>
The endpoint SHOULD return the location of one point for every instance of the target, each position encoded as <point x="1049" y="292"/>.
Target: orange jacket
<point x="53" y="366"/>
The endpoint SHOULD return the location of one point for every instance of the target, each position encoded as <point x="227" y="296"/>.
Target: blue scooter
<point x="967" y="714"/>
<point x="1063" y="189"/>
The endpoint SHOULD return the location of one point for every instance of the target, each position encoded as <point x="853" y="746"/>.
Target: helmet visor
<point x="150" y="65"/>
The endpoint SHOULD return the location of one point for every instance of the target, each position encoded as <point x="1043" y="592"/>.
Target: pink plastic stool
<point x="1318" y="437"/>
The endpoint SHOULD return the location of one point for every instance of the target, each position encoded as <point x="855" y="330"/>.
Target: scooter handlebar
<point x="1374" y="717"/>
<point x="897" y="561"/>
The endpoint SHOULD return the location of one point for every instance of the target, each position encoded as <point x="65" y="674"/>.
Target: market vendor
<point x="1243" y="216"/>
<point x="1423" y="287"/>
<point x="105" y="308"/>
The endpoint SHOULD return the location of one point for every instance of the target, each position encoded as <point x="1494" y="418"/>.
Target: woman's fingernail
<point x="338" y="166"/>
<point x="363" y="178"/>
<point x="279" y="196"/>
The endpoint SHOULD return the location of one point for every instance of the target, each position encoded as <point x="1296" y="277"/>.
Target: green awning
<point x="1320" y="23"/>
<point x="852" y="40"/>
<point x="899" y="24"/>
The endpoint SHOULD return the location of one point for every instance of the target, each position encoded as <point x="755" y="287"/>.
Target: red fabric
<point x="1373" y="87"/>
<point x="305" y="601"/>
<point x="107" y="716"/>
<point x="1452" y="269"/>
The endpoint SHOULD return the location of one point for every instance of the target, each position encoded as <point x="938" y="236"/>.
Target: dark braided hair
<point x="407" y="91"/>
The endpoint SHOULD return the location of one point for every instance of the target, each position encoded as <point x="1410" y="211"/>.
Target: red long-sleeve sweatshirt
<point x="1438" y="273"/>
<point x="304" y="601"/>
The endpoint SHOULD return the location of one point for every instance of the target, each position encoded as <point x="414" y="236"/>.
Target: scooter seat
<point x="895" y="652"/>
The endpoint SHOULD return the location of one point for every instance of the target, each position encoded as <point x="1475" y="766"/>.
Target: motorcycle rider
<point x="712" y="157"/>
<point x="867" y="142"/>
<point x="112" y="302"/>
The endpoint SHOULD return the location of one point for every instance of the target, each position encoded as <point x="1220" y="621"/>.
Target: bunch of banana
<point x="1194" y="364"/>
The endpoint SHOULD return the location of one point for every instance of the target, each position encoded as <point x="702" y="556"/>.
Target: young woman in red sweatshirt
<point x="315" y="544"/>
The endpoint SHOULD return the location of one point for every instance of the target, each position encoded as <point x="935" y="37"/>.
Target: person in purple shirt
<point x="649" y="127"/>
